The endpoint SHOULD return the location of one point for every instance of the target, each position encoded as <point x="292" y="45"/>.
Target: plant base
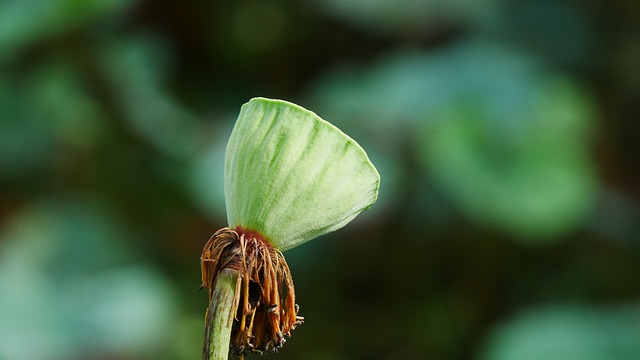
<point x="264" y="302"/>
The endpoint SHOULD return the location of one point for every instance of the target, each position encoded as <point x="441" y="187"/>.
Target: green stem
<point x="220" y="315"/>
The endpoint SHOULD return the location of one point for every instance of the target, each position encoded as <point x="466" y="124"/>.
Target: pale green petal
<point x="292" y="176"/>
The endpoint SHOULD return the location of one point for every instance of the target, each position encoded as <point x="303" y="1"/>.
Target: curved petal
<point x="291" y="176"/>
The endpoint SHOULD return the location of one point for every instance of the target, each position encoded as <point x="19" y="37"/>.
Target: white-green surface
<point x="292" y="176"/>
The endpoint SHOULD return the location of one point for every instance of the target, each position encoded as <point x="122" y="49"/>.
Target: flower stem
<point x="220" y="314"/>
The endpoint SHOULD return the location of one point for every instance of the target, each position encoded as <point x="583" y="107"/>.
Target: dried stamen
<point x="265" y="298"/>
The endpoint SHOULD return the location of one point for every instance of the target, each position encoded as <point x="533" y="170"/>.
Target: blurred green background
<point x="506" y="134"/>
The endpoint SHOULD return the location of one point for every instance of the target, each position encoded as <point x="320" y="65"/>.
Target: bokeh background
<point x="506" y="134"/>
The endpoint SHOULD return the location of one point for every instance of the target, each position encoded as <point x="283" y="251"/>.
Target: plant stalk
<point x="220" y="315"/>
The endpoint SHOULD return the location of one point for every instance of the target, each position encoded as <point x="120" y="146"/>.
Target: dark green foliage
<point x="505" y="134"/>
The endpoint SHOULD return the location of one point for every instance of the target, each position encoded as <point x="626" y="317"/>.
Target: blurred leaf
<point x="136" y="68"/>
<point x="25" y="144"/>
<point x="47" y="107"/>
<point x="560" y="333"/>
<point x="66" y="285"/>
<point x="504" y="137"/>
<point x="26" y="21"/>
<point x="534" y="181"/>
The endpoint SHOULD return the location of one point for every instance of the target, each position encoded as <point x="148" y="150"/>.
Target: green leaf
<point x="559" y="332"/>
<point x="291" y="176"/>
<point x="502" y="137"/>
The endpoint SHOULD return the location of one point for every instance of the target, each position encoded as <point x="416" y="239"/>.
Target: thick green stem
<point x="220" y="315"/>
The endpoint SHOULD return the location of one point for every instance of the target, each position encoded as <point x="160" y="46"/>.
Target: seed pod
<point x="291" y="176"/>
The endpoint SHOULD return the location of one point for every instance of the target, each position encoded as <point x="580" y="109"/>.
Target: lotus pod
<point x="291" y="176"/>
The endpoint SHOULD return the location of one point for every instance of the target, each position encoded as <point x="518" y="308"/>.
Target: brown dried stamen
<point x="264" y="297"/>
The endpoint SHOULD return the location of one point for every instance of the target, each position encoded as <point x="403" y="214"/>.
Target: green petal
<point x="291" y="176"/>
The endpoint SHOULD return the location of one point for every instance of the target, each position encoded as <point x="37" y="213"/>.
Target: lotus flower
<point x="289" y="177"/>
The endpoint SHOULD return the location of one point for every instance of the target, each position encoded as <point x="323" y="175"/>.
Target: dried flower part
<point x="264" y="298"/>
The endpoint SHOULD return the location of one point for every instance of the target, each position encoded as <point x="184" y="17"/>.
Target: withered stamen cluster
<point x="265" y="298"/>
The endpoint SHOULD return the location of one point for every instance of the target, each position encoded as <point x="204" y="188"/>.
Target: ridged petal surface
<point x="291" y="176"/>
